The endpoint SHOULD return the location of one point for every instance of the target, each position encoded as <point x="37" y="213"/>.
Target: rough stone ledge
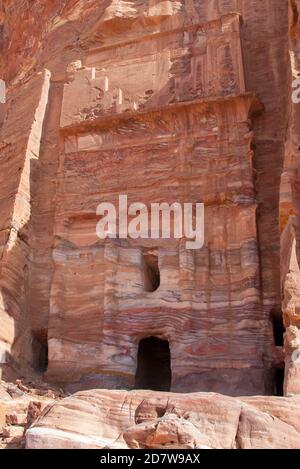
<point x="147" y="419"/>
<point x="256" y="107"/>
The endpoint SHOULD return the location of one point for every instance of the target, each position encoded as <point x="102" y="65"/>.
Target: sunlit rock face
<point x="151" y="420"/>
<point x="163" y="127"/>
<point x="163" y="101"/>
<point x="289" y="216"/>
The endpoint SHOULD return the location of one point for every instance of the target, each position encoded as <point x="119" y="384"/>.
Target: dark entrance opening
<point x="279" y="381"/>
<point x="40" y="351"/>
<point x="278" y="329"/>
<point x="151" y="271"/>
<point x="154" y="365"/>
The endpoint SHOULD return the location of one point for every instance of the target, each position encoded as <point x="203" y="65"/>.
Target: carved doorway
<point x="153" y="365"/>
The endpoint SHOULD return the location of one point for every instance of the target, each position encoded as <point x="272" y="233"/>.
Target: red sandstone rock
<point x="180" y="106"/>
<point x="2" y="418"/>
<point x="13" y="432"/>
<point x="289" y="213"/>
<point x="18" y="411"/>
<point x="145" y="419"/>
<point x="165" y="101"/>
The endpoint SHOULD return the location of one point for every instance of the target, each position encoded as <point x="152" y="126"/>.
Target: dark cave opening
<point x="278" y="329"/>
<point x="151" y="272"/>
<point x="153" y="365"/>
<point x="40" y="351"/>
<point x="279" y="381"/>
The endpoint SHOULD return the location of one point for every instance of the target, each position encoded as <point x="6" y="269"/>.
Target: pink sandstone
<point x="165" y="101"/>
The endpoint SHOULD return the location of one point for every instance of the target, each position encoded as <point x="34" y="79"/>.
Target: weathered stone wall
<point x="289" y="215"/>
<point x="161" y="103"/>
<point x="20" y="137"/>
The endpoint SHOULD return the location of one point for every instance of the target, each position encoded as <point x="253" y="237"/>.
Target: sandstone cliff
<point x="164" y="101"/>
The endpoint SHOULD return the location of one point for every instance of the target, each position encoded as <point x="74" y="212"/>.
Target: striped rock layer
<point x="182" y="101"/>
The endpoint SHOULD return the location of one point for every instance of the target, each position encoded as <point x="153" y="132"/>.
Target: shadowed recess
<point x="40" y="351"/>
<point x="278" y="329"/>
<point x="279" y="381"/>
<point x="151" y="272"/>
<point x="154" y="365"/>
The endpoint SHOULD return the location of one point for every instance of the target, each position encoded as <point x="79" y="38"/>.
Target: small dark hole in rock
<point x="278" y="329"/>
<point x="151" y="272"/>
<point x="279" y="381"/>
<point x="40" y="351"/>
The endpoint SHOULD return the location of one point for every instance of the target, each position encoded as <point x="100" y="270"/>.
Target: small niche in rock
<point x="40" y="351"/>
<point x="151" y="273"/>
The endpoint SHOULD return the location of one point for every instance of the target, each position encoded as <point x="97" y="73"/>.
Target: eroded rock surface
<point x="289" y="217"/>
<point x="145" y="419"/>
<point x="20" y="406"/>
<point x="165" y="101"/>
